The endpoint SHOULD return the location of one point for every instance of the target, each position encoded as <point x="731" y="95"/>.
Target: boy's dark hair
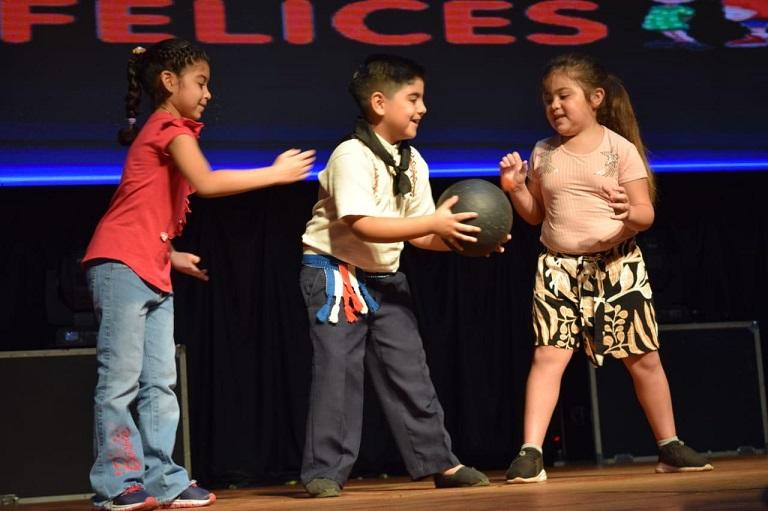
<point x="144" y="68"/>
<point x="382" y="73"/>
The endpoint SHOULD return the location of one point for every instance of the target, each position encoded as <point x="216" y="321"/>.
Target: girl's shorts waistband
<point x="623" y="248"/>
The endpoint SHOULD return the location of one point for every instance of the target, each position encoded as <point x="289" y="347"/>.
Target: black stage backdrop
<point x="249" y="353"/>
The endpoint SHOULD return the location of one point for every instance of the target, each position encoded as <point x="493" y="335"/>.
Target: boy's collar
<point x="382" y="149"/>
<point x="391" y="148"/>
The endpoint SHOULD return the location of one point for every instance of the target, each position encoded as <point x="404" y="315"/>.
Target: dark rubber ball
<point x="493" y="209"/>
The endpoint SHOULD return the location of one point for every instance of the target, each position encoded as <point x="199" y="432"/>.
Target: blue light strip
<point x="704" y="166"/>
<point x="70" y="174"/>
<point x="469" y="169"/>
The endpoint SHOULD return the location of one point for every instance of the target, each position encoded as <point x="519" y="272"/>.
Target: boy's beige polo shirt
<point x="357" y="183"/>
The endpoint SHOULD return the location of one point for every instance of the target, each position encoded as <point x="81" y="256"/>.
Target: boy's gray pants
<point x="386" y="343"/>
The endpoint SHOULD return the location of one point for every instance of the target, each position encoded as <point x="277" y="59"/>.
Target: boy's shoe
<point x="322" y="488"/>
<point x="193" y="496"/>
<point x="463" y="478"/>
<point x="527" y="467"/>
<point x="678" y="457"/>
<point x="133" y="498"/>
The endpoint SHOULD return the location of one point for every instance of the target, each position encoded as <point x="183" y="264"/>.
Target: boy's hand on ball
<point x="492" y="215"/>
<point x="449" y="226"/>
<point x="513" y="170"/>
<point x="617" y="199"/>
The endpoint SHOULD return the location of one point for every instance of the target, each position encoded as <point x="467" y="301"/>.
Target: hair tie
<point x="138" y="50"/>
<point x="131" y="121"/>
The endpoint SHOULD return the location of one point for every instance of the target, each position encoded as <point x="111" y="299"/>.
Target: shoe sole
<point x="538" y="478"/>
<point x="187" y="504"/>
<point x="441" y="486"/>
<point x="663" y="468"/>
<point x="465" y="485"/>
<point x="147" y="505"/>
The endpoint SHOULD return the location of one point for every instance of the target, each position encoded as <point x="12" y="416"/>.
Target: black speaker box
<point x="46" y="422"/>
<point x="715" y="373"/>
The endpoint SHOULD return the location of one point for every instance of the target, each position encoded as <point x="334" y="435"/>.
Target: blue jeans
<point x="136" y="364"/>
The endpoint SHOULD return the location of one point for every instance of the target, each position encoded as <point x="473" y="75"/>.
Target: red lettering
<point x="115" y="21"/>
<point x="350" y="22"/>
<point x="460" y="22"/>
<point x="17" y="18"/>
<point x="211" y="25"/>
<point x="124" y="460"/>
<point x="587" y="31"/>
<point x="467" y="22"/>
<point x="298" y="21"/>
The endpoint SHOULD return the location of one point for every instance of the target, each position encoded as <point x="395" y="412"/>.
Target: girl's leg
<point x="541" y="394"/>
<point x="119" y="299"/>
<point x="543" y="390"/>
<point x="157" y="404"/>
<point x="652" y="391"/>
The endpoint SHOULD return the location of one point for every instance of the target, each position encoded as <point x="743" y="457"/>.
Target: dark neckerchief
<point x="365" y="134"/>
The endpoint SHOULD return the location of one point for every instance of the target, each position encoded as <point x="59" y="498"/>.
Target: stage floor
<point x="736" y="484"/>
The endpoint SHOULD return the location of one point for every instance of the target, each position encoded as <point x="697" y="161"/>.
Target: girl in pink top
<point x="591" y="188"/>
<point x="129" y="261"/>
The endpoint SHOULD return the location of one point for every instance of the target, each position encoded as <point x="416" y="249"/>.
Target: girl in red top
<point x="129" y="261"/>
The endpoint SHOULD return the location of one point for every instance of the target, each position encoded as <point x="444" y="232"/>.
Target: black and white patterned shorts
<point x="603" y="299"/>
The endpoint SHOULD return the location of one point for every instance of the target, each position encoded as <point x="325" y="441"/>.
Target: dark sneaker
<point x="193" y="496"/>
<point x="463" y="478"/>
<point x="322" y="488"/>
<point x="527" y="467"/>
<point x="134" y="498"/>
<point x="678" y="457"/>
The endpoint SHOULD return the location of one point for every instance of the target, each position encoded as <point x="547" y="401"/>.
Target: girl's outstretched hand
<point x="293" y="165"/>
<point x="449" y="225"/>
<point x="186" y="263"/>
<point x="513" y="171"/>
<point x="617" y="198"/>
